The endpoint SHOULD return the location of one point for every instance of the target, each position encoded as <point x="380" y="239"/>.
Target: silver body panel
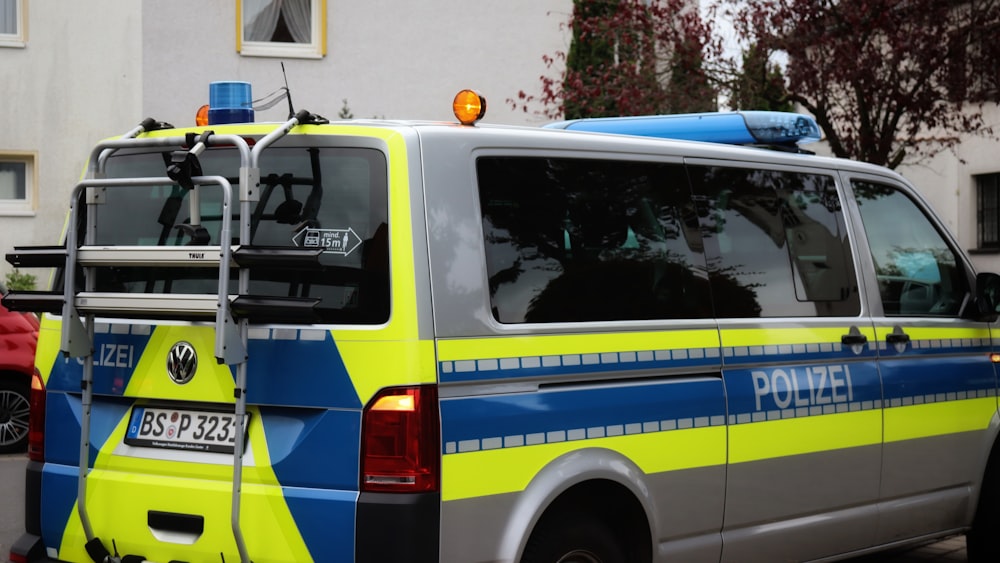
<point x="812" y="506"/>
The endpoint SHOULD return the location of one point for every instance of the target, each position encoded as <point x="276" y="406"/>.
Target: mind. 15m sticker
<point x="335" y="241"/>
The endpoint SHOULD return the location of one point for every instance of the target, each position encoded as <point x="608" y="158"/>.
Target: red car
<point x="18" y="337"/>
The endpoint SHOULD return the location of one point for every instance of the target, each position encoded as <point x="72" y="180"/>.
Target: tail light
<point x="36" y="419"/>
<point x="401" y="441"/>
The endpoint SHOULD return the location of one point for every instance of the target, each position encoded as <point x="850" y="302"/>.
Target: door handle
<point x="897" y="336"/>
<point x="853" y="338"/>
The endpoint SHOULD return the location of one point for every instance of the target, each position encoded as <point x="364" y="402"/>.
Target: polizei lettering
<point x="804" y="387"/>
<point x="113" y="356"/>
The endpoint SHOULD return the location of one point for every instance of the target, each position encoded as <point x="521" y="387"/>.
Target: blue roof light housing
<point x="229" y="102"/>
<point x="735" y="128"/>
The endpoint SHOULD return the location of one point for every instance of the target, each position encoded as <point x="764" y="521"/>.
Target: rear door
<point x="801" y="383"/>
<point x="938" y="381"/>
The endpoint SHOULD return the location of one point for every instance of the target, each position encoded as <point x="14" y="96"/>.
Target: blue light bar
<point x="733" y="128"/>
<point x="229" y="102"/>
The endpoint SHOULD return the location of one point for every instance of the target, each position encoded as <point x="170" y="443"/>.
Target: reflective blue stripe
<point x="539" y="366"/>
<point x="558" y="415"/>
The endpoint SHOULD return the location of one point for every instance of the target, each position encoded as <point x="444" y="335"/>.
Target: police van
<point x="614" y="340"/>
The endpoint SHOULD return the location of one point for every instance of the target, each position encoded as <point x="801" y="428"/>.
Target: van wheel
<point x="983" y="539"/>
<point x="14" y="410"/>
<point x="572" y="538"/>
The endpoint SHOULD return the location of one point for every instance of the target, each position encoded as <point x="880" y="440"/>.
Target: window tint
<point x="590" y="240"/>
<point x="918" y="273"/>
<point x="776" y="243"/>
<point x="310" y="197"/>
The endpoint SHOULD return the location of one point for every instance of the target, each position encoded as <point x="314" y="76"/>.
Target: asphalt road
<point x="11" y="500"/>
<point x="951" y="550"/>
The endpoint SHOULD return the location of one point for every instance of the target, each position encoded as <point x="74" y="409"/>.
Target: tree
<point x="885" y="79"/>
<point x="759" y="84"/>
<point x="629" y="57"/>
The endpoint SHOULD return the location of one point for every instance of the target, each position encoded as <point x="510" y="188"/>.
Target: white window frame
<point x="22" y="207"/>
<point x="314" y="50"/>
<point x="19" y="38"/>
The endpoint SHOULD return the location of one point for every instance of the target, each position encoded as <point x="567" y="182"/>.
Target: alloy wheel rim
<point x="14" y="414"/>
<point x="579" y="556"/>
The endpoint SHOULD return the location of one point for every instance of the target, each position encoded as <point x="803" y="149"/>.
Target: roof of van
<point x="512" y="136"/>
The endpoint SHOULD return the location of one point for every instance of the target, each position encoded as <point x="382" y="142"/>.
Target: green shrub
<point x="20" y="281"/>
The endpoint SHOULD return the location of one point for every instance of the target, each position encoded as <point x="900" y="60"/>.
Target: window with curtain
<point x="282" y="28"/>
<point x="12" y="23"/>
<point x="17" y="183"/>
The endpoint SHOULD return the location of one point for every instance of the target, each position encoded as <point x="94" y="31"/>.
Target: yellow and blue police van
<point x="665" y="338"/>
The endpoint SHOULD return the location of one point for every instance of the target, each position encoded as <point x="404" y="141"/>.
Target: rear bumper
<point x="398" y="527"/>
<point x="29" y="547"/>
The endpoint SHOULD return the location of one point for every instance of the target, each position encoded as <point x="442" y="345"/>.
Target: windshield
<point x="332" y="198"/>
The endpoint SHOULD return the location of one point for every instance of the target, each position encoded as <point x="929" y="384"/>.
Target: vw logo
<point x="182" y="361"/>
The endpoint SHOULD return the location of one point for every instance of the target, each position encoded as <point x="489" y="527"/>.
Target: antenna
<point x="288" y="93"/>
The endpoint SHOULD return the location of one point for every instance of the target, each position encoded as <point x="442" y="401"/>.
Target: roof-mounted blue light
<point x="229" y="102"/>
<point x="734" y="128"/>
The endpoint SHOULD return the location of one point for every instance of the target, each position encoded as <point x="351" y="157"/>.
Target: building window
<point x="13" y="23"/>
<point x="17" y="183"/>
<point x="988" y="210"/>
<point x="281" y="28"/>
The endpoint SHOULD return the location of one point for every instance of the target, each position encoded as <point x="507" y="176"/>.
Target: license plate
<point x="182" y="429"/>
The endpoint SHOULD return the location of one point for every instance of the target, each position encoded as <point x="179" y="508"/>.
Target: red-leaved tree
<point x="628" y="57"/>
<point x="887" y="80"/>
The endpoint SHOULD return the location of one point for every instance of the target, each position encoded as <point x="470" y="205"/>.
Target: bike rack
<point x="231" y="313"/>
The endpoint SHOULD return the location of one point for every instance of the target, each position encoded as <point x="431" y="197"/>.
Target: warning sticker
<point x="335" y="241"/>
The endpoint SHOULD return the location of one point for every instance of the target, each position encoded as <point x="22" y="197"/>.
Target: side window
<point x="590" y="240"/>
<point x="776" y="243"/>
<point x="281" y="28"/>
<point x="918" y="273"/>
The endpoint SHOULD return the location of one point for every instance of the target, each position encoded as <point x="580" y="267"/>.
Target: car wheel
<point x="14" y="410"/>
<point x="573" y="538"/>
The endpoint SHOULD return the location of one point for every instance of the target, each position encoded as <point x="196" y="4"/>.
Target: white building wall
<point x="947" y="182"/>
<point x="392" y="59"/>
<point x="95" y="69"/>
<point x="74" y="83"/>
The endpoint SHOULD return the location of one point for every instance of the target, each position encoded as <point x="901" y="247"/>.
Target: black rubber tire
<point x="983" y="539"/>
<point x="573" y="538"/>
<point x="14" y="411"/>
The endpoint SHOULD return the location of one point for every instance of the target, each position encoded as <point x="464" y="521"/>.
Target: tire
<point x="983" y="539"/>
<point x="14" y="409"/>
<point x="573" y="538"/>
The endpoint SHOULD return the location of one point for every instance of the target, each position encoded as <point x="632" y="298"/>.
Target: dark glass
<point x="590" y="240"/>
<point x="776" y="243"/>
<point x="310" y="197"/>
<point x="918" y="273"/>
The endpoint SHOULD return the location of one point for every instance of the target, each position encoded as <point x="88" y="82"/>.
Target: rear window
<point x="310" y="197"/>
